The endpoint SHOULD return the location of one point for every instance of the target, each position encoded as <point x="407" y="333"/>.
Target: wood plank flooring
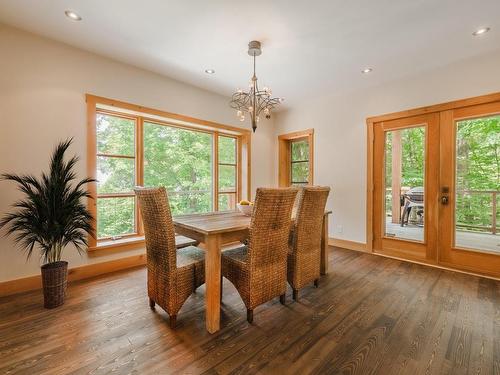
<point x="370" y="315"/>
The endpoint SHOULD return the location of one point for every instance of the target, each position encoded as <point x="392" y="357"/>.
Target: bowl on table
<point x="245" y="209"/>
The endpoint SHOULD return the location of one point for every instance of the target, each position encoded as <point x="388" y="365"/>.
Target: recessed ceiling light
<point x="367" y="70"/>
<point x="481" y="31"/>
<point x="72" y="15"/>
<point x="209" y="71"/>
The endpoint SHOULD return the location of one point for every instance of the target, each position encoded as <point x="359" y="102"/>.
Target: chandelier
<point x="255" y="102"/>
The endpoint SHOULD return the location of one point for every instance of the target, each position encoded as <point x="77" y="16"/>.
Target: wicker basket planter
<point x="54" y="282"/>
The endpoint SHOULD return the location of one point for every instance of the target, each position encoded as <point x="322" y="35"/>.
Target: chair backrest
<point x="309" y="219"/>
<point x="158" y="227"/>
<point x="270" y="226"/>
<point x="298" y="198"/>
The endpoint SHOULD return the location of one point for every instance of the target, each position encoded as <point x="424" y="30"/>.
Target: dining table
<point x="214" y="230"/>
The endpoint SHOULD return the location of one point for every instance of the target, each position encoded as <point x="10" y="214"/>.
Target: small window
<point x="296" y="158"/>
<point x="299" y="160"/>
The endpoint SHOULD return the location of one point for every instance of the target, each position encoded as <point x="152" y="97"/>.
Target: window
<point x="116" y="175"/>
<point x="181" y="160"/>
<point x="299" y="161"/>
<point x="296" y="158"/>
<point x="227" y="173"/>
<point x="200" y="164"/>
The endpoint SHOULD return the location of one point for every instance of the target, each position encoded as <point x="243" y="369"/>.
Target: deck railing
<point x="493" y="222"/>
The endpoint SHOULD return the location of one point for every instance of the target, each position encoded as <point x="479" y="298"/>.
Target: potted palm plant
<point x="51" y="216"/>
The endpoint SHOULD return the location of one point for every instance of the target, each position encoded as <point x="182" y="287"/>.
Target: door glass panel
<point x="404" y="183"/>
<point x="477" y="185"/>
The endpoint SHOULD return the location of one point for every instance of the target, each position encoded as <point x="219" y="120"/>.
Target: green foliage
<point x="52" y="214"/>
<point x="115" y="216"/>
<point x="300" y="150"/>
<point x="180" y="160"/>
<point x="227" y="150"/>
<point x="300" y="162"/>
<point x="478" y="169"/>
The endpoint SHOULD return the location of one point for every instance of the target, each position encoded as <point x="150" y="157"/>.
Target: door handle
<point x="444" y="200"/>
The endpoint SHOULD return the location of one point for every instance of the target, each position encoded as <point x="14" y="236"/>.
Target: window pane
<point x="477" y="206"/>
<point x="404" y="183"/>
<point x="189" y="202"/>
<point x="300" y="172"/>
<point x="115" y="135"/>
<point x="227" y="201"/>
<point x="300" y="150"/>
<point x="115" y="175"/>
<point x="116" y="216"/>
<point x="227" y="178"/>
<point x="227" y="150"/>
<point x="180" y="160"/>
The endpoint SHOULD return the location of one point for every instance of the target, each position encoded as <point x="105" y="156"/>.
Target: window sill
<point x="122" y="244"/>
<point x="132" y="243"/>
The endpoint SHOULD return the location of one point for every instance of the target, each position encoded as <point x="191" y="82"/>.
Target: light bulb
<point x="266" y="110"/>
<point x="257" y="119"/>
<point x="250" y="109"/>
<point x="239" y="113"/>
<point x="242" y="118"/>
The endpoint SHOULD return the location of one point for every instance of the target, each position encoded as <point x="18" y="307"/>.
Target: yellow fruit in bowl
<point x="245" y="207"/>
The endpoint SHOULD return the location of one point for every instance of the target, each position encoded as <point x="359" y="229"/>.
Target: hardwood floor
<point x="370" y="315"/>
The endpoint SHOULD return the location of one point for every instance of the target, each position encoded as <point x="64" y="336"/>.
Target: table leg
<point x="324" y="246"/>
<point x="212" y="282"/>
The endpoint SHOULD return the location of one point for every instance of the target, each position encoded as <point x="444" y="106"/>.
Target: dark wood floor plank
<point x="370" y="315"/>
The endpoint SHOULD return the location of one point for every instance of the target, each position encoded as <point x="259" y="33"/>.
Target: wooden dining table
<point x="214" y="230"/>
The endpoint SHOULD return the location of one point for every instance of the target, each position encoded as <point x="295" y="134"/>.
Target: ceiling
<point x="309" y="47"/>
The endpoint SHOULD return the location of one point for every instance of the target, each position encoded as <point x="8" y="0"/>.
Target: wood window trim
<point x="284" y="157"/>
<point x="136" y="240"/>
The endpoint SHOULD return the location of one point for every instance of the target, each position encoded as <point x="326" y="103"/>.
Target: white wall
<point x="340" y="129"/>
<point x="42" y="101"/>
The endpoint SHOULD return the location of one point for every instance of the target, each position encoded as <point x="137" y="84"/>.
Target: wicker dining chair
<point x="258" y="270"/>
<point x="173" y="274"/>
<point x="304" y="255"/>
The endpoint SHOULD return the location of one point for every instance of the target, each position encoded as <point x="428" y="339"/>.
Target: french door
<point x="436" y="182"/>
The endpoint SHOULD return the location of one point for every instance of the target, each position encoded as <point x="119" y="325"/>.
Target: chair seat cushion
<point x="237" y="255"/>
<point x="190" y="255"/>
<point x="181" y="241"/>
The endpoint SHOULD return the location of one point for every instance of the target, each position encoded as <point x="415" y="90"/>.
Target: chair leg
<point x="316" y="283"/>
<point x="151" y="304"/>
<point x="283" y="299"/>
<point x="249" y="316"/>
<point x="295" y="294"/>
<point x="173" y="321"/>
